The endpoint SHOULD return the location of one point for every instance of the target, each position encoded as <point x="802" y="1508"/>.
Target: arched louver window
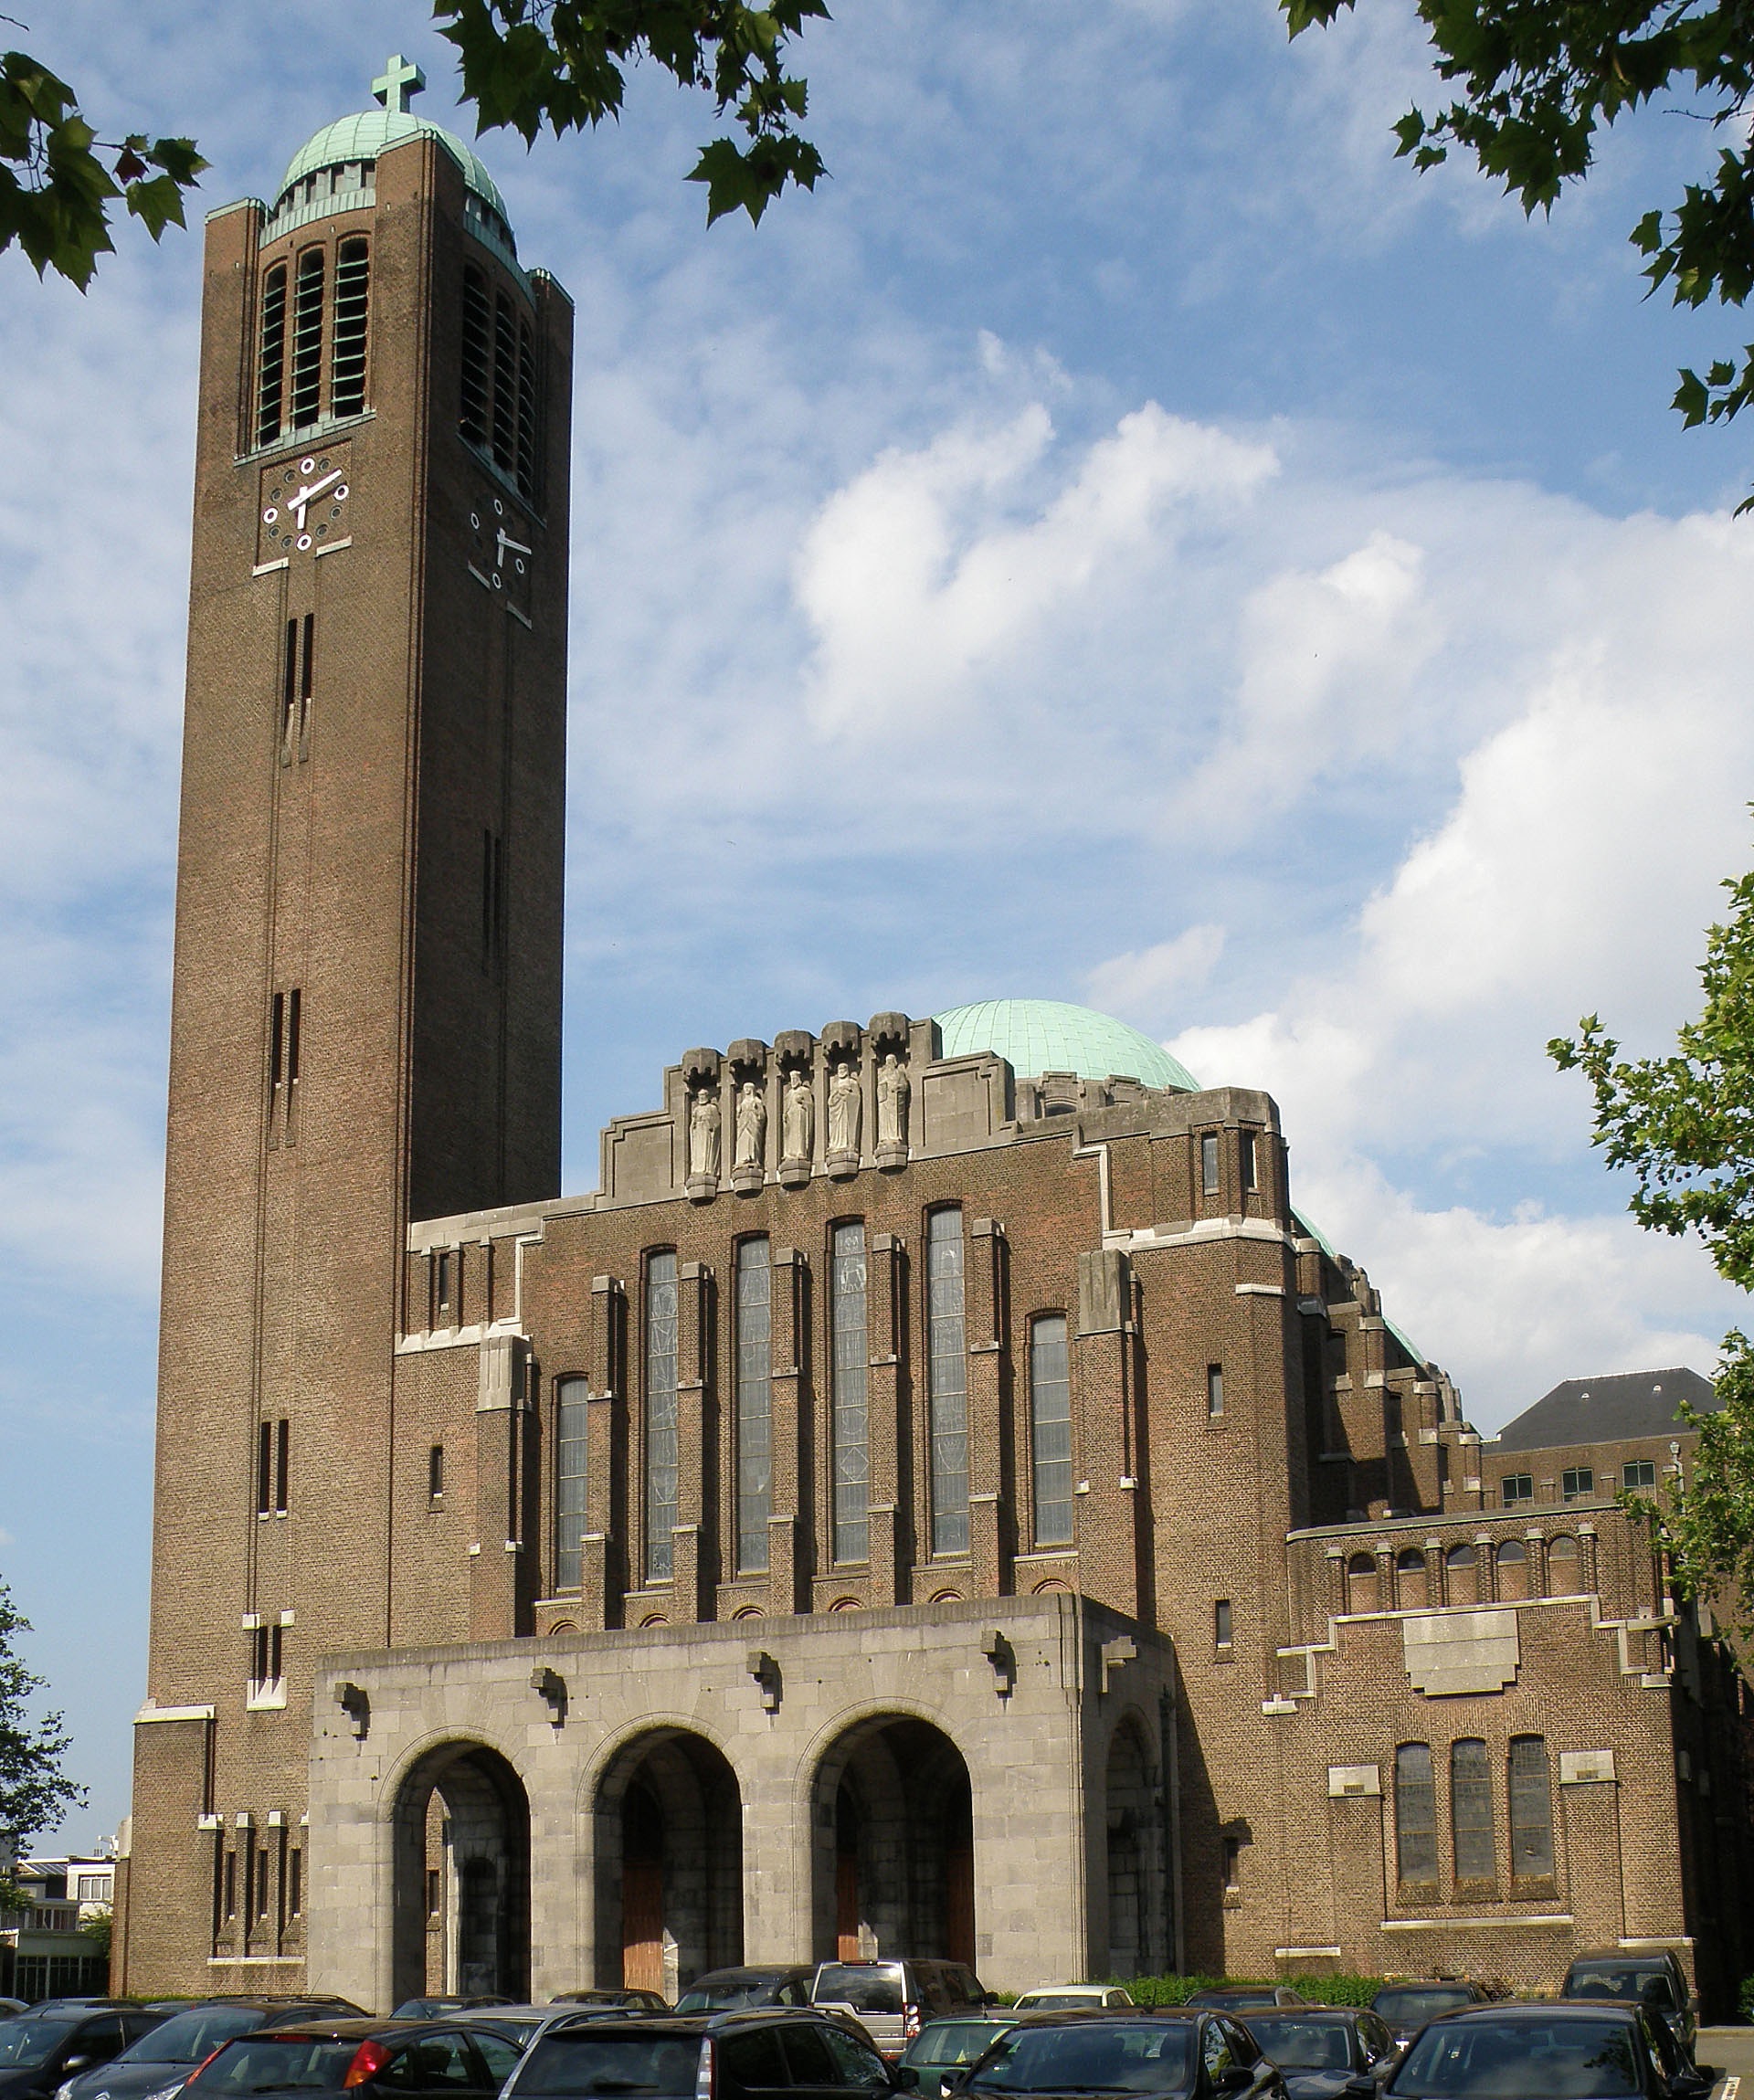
<point x="505" y="384"/>
<point x="347" y="355"/>
<point x="526" y="413"/>
<point x="477" y="330"/>
<point x="270" y="384"/>
<point x="307" y="339"/>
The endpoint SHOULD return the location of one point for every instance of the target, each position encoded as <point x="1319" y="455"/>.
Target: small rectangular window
<point x="1515" y="1488"/>
<point x="1221" y="1623"/>
<point x="230" y="1903"/>
<point x="264" y="1468"/>
<point x="289" y="690"/>
<point x="1214" y="1388"/>
<point x="1232" y="1865"/>
<point x="436" y="1473"/>
<point x="1246" y="1159"/>
<point x="295" y="1881"/>
<point x="1576" y="1481"/>
<point x="1638" y="1474"/>
<point x="1209" y="1165"/>
<point x="276" y="1640"/>
<point x="294" y="1008"/>
<point x="262" y="1883"/>
<point x="433" y="1888"/>
<point x="282" y="1462"/>
<point x="442" y="1280"/>
<point x="307" y="677"/>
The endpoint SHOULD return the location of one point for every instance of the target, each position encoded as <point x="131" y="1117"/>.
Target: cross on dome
<point x="400" y="80"/>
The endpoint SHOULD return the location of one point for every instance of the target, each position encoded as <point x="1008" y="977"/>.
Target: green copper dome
<point x="1036" y="1036"/>
<point x="363" y="137"/>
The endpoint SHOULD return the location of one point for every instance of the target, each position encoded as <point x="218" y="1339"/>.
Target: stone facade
<point x="915" y="1505"/>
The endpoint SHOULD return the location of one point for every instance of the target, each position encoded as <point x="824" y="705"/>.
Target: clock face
<point x="501" y="558"/>
<point x="304" y="504"/>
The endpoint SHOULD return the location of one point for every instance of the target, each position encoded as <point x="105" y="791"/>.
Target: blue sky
<point x="1123" y="539"/>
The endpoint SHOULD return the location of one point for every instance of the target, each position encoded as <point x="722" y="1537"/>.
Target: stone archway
<point x="1137" y="1942"/>
<point x="892" y="1817"/>
<point x="461" y="1876"/>
<point x="669" y="1863"/>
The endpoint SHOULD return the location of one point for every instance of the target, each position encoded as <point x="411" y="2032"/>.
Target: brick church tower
<point x="365" y="1022"/>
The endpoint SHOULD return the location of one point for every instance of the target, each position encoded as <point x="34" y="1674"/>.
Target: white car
<point x="1069" y="1997"/>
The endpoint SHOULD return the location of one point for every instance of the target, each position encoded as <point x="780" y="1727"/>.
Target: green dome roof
<point x="1036" y="1036"/>
<point x="363" y="136"/>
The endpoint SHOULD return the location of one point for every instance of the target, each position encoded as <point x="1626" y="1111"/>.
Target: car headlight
<point x="162" y="2093"/>
<point x="64" y="2092"/>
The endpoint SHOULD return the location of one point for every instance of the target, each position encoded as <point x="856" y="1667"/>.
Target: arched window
<point x="307" y="339"/>
<point x="1564" y="1567"/>
<point x="755" y="1404"/>
<point x="1470" y="1811"/>
<point x="1410" y="1579"/>
<point x="270" y="385"/>
<point x="849" y="1431"/>
<point x="1050" y="1431"/>
<point x="947" y="1381"/>
<point x="661" y="1343"/>
<point x="1415" y="1817"/>
<point x="1512" y="1570"/>
<point x="1531" y="1809"/>
<point x="347" y="354"/>
<point x="1361" y="1582"/>
<point x="572" y="1419"/>
<point x="1463" y="1571"/>
<point x="472" y="418"/>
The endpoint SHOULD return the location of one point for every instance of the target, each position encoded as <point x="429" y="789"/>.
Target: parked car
<point x="753" y="1983"/>
<point x="374" y="2059"/>
<point x="891" y="2001"/>
<point x="518" y="2024"/>
<point x="11" y="2007"/>
<point x="442" y="2007"/>
<point x="1596" y="2052"/>
<point x="1320" y="2049"/>
<point x="1653" y="1978"/>
<point x="616" y="2000"/>
<point x="40" y="2050"/>
<point x="1248" y="1996"/>
<point x="153" y="2067"/>
<point x="707" y="2056"/>
<point x="942" y="2047"/>
<point x="1406" y="2007"/>
<point x="1180" y="2053"/>
<point x="1069" y="1996"/>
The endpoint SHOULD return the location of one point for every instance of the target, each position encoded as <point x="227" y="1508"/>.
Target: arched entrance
<point x="1137" y="1942"/>
<point x="895" y="1851"/>
<point x="461" y="1866"/>
<point x="669" y="1863"/>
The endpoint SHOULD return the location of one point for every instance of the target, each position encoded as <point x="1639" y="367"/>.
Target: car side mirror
<point x="1235" y="2078"/>
<point x="903" y="2078"/>
<point x="81" y="2060"/>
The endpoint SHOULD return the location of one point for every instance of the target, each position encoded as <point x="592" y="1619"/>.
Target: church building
<point x="938" y="1495"/>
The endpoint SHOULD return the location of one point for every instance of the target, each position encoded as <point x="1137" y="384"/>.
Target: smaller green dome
<point x="1036" y="1036"/>
<point x="369" y="133"/>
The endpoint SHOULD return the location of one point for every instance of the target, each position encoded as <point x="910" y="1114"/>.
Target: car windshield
<point x="191" y="2037"/>
<point x="726" y="1993"/>
<point x="866" y="1989"/>
<point x="1414" y="2008"/>
<point x="1057" y="2001"/>
<point x="1236" y="2001"/>
<point x="1652" y="1985"/>
<point x="1559" y="2059"/>
<point x="953" y="2041"/>
<point x="25" y="2041"/>
<point x="1092" y="2057"/>
<point x="585" y="2060"/>
<point x="277" y="2063"/>
<point x="1302" y="2044"/>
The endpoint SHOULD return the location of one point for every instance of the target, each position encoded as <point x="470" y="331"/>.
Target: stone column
<point x="1589" y="1549"/>
<point x="1437" y="1576"/>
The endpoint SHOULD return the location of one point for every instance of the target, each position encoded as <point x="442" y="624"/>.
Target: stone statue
<point x="704" y="1136"/>
<point x="752" y="1124"/>
<point x="894" y="1088"/>
<point x="845" y="1106"/>
<point x="800" y="1116"/>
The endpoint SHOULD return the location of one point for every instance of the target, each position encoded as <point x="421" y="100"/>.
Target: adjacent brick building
<point x="937" y="1495"/>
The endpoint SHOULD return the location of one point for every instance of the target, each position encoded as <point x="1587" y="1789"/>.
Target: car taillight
<point x="910" y="2020"/>
<point x="703" y="2074"/>
<point x="369" y="2059"/>
<point x="205" y="2062"/>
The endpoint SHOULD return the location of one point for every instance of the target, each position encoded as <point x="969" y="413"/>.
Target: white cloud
<point x="1143" y="982"/>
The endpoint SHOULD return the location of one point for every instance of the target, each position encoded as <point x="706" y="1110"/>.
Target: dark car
<point x="1653" y="1978"/>
<point x="40" y="2050"/>
<point x="891" y="2001"/>
<point x="441" y="2007"/>
<point x="1406" y="2007"/>
<point x="1248" y="1996"/>
<point x="1561" y="2052"/>
<point x="752" y="1983"/>
<point x="942" y="2047"/>
<point x="1186" y="2054"/>
<point x="773" y="2051"/>
<point x="153" y="2067"/>
<point x="614" y="2001"/>
<point x="1320" y="2049"/>
<point x="372" y="2058"/>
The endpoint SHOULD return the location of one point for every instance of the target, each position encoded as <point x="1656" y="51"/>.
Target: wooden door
<point x="642" y="1925"/>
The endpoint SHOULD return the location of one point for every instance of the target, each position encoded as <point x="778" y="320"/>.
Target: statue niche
<point x="895" y="1090"/>
<point x="799" y="1125"/>
<point x="704" y="1135"/>
<point x="752" y="1126"/>
<point x="846" y="1109"/>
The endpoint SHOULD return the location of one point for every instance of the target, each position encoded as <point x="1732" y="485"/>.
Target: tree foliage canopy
<point x="1539" y="79"/>
<point x="34" y="1785"/>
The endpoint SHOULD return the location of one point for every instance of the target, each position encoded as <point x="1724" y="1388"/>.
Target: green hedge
<point x="1746" y="1999"/>
<point x="1319" y="1990"/>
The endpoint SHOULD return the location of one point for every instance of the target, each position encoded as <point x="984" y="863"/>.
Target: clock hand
<point x="509" y="545"/>
<point x="315" y="489"/>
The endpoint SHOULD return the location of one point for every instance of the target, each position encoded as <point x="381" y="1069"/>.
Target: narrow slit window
<point x="307" y="339"/>
<point x="1246" y="1161"/>
<point x="850" y="1394"/>
<point x="572" y="1427"/>
<point x="307" y="658"/>
<point x="264" y="1468"/>
<point x="755" y="1404"/>
<point x="526" y="413"/>
<point x="662" y="1306"/>
<point x="271" y="382"/>
<point x="289" y="688"/>
<point x="477" y="332"/>
<point x="1415" y="1816"/>
<point x="1470" y="1811"/>
<point x="493" y="899"/>
<point x="353" y="299"/>
<point x="435" y="1891"/>
<point x="505" y="385"/>
<point x="1531" y="1809"/>
<point x="1221" y="1623"/>
<point x="230" y="1905"/>
<point x="1209" y="1165"/>
<point x="435" y="1474"/>
<point x="442" y="1280"/>
<point x="282" y="1462"/>
<point x="295" y="1881"/>
<point x="294" y="1005"/>
<point x="1214" y="1389"/>
<point x="263" y="1882"/>
<point x="275" y="1047"/>
<point x="948" y="1382"/>
<point x="1050" y="1431"/>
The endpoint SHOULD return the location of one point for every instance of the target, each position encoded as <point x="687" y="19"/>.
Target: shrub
<point x="1745" y="2001"/>
<point x="1319" y="1990"/>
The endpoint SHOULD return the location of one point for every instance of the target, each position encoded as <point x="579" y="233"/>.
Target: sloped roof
<point x="1607" y="1410"/>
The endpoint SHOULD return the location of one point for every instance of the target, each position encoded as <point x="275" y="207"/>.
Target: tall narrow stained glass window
<point x="307" y="339"/>
<point x="662" y="1325"/>
<point x="849" y="1350"/>
<point x="1531" y="1809"/>
<point x="755" y="1404"/>
<point x="1476" y="1857"/>
<point x="947" y="1381"/>
<point x="572" y="1417"/>
<point x="1415" y="1816"/>
<point x="1051" y="1429"/>
<point x="347" y="353"/>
